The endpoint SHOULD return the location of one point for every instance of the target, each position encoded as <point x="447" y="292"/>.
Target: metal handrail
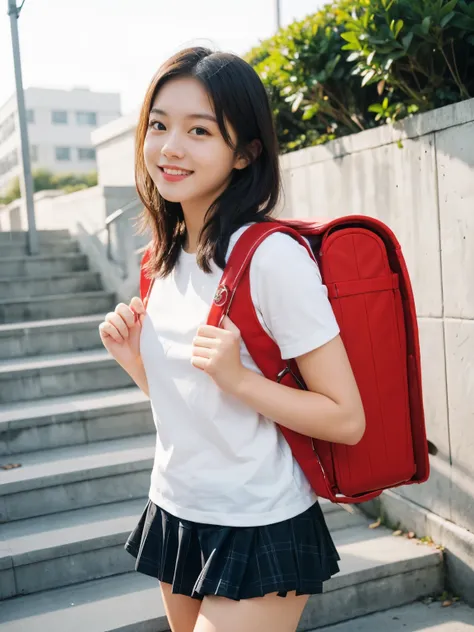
<point x="112" y="218"/>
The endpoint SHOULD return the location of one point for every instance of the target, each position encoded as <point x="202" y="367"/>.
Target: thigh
<point x="182" y="611"/>
<point x="278" y="614"/>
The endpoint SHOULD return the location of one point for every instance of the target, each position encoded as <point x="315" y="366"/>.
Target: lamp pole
<point x="26" y="181"/>
<point x="278" y="14"/>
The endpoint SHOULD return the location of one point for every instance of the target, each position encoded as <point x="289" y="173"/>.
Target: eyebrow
<point x="199" y="115"/>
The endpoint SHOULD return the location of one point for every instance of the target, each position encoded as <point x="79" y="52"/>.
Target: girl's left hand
<point x="216" y="351"/>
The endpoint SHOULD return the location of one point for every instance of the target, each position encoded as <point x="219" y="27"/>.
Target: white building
<point x="60" y="123"/>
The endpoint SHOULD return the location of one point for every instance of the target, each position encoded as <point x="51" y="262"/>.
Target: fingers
<point x="201" y="341"/>
<point x="118" y="323"/>
<point x="107" y="330"/>
<point x="137" y="306"/>
<point x="208" y="331"/>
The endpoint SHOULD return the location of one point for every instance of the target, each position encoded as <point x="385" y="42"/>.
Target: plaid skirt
<point x="234" y="562"/>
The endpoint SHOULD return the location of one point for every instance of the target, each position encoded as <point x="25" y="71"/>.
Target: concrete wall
<point x="418" y="177"/>
<point x="115" y="151"/>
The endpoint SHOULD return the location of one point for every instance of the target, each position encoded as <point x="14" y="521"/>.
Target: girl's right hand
<point x="120" y="331"/>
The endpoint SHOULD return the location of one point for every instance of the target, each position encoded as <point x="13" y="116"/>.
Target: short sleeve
<point x="289" y="296"/>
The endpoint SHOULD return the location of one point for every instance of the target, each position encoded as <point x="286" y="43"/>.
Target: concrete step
<point x="415" y="617"/>
<point x="74" y="420"/>
<point x="15" y="249"/>
<point x="53" y="481"/>
<point x="59" y="375"/>
<point x="76" y="546"/>
<point x="44" y="265"/>
<point x="378" y="572"/>
<point x="55" y="284"/>
<point x="15" y="310"/>
<point x="58" y="335"/>
<point x="44" y="236"/>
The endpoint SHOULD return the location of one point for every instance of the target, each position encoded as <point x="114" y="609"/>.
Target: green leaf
<point x="425" y="25"/>
<point x="310" y="111"/>
<point x="463" y="22"/>
<point x="447" y="18"/>
<point x="350" y="36"/>
<point x="407" y="40"/>
<point x="369" y="75"/>
<point x="353" y="57"/>
<point x="398" y="27"/>
<point x="297" y="102"/>
<point x="448" y="8"/>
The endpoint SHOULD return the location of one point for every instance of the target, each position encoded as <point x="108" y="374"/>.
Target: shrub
<point x="355" y="65"/>
<point x="43" y="179"/>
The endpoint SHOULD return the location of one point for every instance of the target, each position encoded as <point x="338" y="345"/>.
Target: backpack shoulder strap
<point x="145" y="281"/>
<point x="239" y="261"/>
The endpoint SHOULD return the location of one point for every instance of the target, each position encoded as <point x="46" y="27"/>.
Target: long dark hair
<point x="238" y="96"/>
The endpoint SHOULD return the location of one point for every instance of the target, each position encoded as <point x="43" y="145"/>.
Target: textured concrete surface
<point x="417" y="617"/>
<point x="377" y="571"/>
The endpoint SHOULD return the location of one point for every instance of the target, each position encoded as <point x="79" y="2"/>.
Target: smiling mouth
<point x="175" y="172"/>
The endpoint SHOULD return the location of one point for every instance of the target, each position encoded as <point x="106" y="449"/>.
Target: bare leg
<point x="218" y="614"/>
<point x="182" y="611"/>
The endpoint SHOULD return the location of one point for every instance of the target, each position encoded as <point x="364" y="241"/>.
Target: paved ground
<point x="416" y="617"/>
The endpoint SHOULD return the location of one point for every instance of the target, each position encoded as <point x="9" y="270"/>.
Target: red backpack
<point x="362" y="265"/>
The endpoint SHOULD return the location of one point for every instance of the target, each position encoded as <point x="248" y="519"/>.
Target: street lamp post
<point x="26" y="180"/>
<point x="278" y="14"/>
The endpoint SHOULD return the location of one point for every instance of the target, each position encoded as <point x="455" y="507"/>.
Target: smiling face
<point x="184" y="151"/>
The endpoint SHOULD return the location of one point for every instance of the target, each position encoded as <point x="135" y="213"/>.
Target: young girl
<point x="232" y="529"/>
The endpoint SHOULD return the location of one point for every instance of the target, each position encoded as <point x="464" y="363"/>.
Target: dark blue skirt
<point x="235" y="562"/>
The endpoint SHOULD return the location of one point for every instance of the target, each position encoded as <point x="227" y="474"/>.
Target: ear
<point x="254" y="150"/>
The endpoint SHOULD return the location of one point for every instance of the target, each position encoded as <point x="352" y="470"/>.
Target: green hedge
<point x="43" y="179"/>
<point x="354" y="65"/>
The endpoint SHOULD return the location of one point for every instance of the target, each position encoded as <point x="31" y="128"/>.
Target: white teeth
<point x="175" y="172"/>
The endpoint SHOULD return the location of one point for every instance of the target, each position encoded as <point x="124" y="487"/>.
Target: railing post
<point x="27" y="180"/>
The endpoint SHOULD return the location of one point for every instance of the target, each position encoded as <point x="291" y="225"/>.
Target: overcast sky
<point x="117" y="45"/>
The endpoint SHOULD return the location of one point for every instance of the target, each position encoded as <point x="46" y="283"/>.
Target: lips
<point x="174" y="174"/>
<point x="175" y="171"/>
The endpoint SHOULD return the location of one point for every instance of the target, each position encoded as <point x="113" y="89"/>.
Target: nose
<point x="172" y="147"/>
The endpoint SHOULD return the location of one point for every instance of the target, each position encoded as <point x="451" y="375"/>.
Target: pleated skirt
<point x="198" y="559"/>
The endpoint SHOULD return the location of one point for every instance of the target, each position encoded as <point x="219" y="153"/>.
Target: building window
<point x="86" y="153"/>
<point x="7" y="127"/>
<point x="59" y="117"/>
<point x="8" y="162"/>
<point x="86" y="118"/>
<point x="63" y="153"/>
<point x="34" y="153"/>
<point x="30" y="116"/>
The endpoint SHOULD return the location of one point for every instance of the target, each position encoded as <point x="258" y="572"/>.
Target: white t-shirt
<point x="218" y="461"/>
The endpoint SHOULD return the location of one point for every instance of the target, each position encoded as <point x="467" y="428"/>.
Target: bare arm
<point x="330" y="410"/>
<point x="120" y="335"/>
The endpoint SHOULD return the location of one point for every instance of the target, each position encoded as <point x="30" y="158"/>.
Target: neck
<point x="194" y="220"/>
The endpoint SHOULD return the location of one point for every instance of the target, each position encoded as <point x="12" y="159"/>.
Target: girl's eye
<point x="200" y="131"/>
<point x="156" y="125"/>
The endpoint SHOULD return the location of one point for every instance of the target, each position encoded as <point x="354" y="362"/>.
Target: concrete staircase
<point x="84" y="438"/>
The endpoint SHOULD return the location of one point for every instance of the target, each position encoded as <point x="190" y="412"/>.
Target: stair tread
<point x="61" y="408"/>
<point x="78" y="462"/>
<point x="365" y="554"/>
<point x="360" y="548"/>
<point x="59" y="255"/>
<point x="35" y="363"/>
<point x="415" y="617"/>
<point x="53" y="323"/>
<point x="55" y="275"/>
<point x="75" y="527"/>
<point x="55" y="297"/>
